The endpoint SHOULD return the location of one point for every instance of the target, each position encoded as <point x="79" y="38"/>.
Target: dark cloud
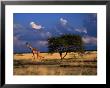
<point x="91" y="24"/>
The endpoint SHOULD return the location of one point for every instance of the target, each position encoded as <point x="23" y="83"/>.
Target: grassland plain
<point x="51" y="64"/>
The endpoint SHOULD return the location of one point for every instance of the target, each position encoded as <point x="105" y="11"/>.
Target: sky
<point x="36" y="28"/>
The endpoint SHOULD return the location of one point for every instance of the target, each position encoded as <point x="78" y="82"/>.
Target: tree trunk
<point x="61" y="55"/>
<point x="65" y="55"/>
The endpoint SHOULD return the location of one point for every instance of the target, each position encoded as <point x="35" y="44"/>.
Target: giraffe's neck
<point x="31" y="47"/>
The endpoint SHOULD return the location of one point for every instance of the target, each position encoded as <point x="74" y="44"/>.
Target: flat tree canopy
<point x="65" y="43"/>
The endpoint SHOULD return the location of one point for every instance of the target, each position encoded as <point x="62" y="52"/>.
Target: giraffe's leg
<point x="37" y="54"/>
<point x="40" y="56"/>
<point x="33" y="55"/>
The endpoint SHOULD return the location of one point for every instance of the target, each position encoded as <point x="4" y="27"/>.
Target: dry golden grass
<point x="89" y="56"/>
<point x="51" y="64"/>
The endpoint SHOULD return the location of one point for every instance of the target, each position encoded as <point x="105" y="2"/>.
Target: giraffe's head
<point x="27" y="44"/>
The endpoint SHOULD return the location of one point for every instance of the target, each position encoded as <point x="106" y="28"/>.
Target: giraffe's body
<point x="35" y="51"/>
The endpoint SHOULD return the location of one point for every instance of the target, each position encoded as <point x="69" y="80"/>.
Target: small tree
<point x="65" y="43"/>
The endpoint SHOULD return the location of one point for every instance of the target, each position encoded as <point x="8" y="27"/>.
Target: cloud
<point x="36" y="26"/>
<point x="49" y="34"/>
<point x="63" y="21"/>
<point x="83" y="30"/>
<point x="45" y="34"/>
<point x="17" y="26"/>
<point x="26" y="34"/>
<point x="89" y="40"/>
<point x="42" y="43"/>
<point x="57" y="30"/>
<point x="65" y="26"/>
<point x="18" y="43"/>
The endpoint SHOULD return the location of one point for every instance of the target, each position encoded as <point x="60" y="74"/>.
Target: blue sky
<point x="36" y="28"/>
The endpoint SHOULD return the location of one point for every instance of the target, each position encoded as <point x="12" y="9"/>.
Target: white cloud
<point x="35" y="26"/>
<point x="41" y="43"/>
<point x="63" y="21"/>
<point x="18" y="42"/>
<point x="83" y="30"/>
<point x="46" y="34"/>
<point x="17" y="26"/>
<point x="49" y="34"/>
<point x="89" y="40"/>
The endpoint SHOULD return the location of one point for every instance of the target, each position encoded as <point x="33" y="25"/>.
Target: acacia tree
<point x="65" y="43"/>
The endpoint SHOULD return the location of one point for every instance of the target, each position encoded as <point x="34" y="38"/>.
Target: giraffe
<point x="35" y="51"/>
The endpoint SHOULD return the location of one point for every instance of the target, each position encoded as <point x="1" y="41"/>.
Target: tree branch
<point x="65" y="55"/>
